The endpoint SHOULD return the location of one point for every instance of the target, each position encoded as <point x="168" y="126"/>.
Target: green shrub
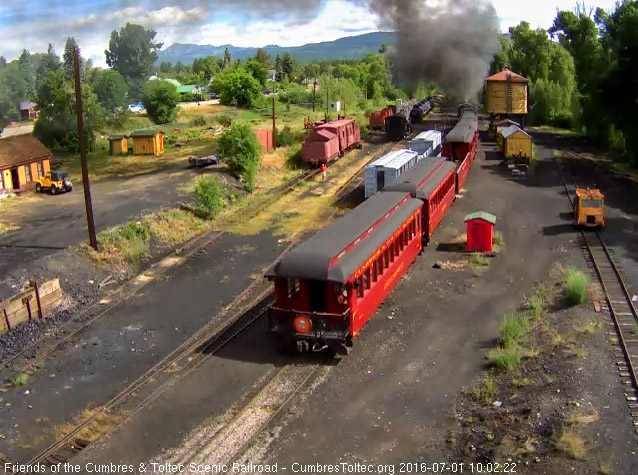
<point x="287" y="137"/>
<point x="199" y="121"/>
<point x="210" y="198"/>
<point x="497" y="239"/>
<point x="575" y="286"/>
<point x="485" y="391"/>
<point x="239" y="146"/>
<point x="135" y="231"/>
<point x="505" y="358"/>
<point x="131" y="240"/>
<point x="513" y="329"/>
<point x="19" y="379"/>
<point x="160" y="101"/>
<point x="224" y="120"/>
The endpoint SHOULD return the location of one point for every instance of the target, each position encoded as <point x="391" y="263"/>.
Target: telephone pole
<point x="274" y="123"/>
<point x="82" y="139"/>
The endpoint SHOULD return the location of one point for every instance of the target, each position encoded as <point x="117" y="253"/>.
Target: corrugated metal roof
<point x="26" y="105"/>
<point x="505" y="75"/>
<point x="21" y="149"/>
<point x="490" y="218"/>
<point x="312" y="258"/>
<point x="186" y="89"/>
<point x="395" y="159"/>
<point x="512" y="129"/>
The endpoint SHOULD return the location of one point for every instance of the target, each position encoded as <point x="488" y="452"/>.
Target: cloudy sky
<point x="32" y="24"/>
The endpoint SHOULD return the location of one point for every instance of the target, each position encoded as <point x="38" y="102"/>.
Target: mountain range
<point x="352" y="47"/>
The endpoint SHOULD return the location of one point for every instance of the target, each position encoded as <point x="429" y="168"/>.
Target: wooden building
<point x="23" y="159"/>
<point x="148" y="142"/>
<point x="506" y="93"/>
<point x="27" y="110"/>
<point x="118" y="144"/>
<point x="480" y="231"/>
<point x="516" y="142"/>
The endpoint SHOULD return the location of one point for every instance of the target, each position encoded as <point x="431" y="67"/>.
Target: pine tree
<point x="227" y="58"/>
<point x="279" y="75"/>
<point x="28" y="72"/>
<point x="68" y="58"/>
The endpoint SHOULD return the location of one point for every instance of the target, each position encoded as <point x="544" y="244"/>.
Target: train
<point x="460" y="144"/>
<point x="377" y="118"/>
<point x="328" y="287"/>
<point x="329" y="141"/>
<point x="421" y="109"/>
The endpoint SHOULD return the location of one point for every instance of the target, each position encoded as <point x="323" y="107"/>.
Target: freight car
<point x="387" y="169"/>
<point x="434" y="183"/>
<point x="421" y="109"/>
<point x="461" y="143"/>
<point x="397" y="127"/>
<point x="377" y="119"/>
<point x="327" y="288"/>
<point x="331" y="140"/>
<point x="427" y="143"/>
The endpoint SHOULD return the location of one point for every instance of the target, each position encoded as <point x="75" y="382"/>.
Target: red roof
<point x="325" y="134"/>
<point x="503" y="76"/>
<point x="336" y="123"/>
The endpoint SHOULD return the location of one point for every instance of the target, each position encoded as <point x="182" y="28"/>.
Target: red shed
<point x="480" y="231"/>
<point x="265" y="139"/>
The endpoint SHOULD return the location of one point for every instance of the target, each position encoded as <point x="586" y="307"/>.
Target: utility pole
<point x="327" y="102"/>
<point x="274" y="123"/>
<point x="82" y="139"/>
<point x="314" y="94"/>
<point x="344" y="107"/>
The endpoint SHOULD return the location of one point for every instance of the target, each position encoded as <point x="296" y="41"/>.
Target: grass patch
<point x="497" y="239"/>
<point x="513" y="329"/>
<point x="582" y="419"/>
<point x="127" y="243"/>
<point x="569" y="441"/>
<point x="485" y="391"/>
<point x="19" y="379"/>
<point x="480" y="260"/>
<point x="98" y="427"/>
<point x="592" y="327"/>
<point x="7" y="228"/>
<point x="520" y="382"/>
<point x="174" y="226"/>
<point x="575" y="286"/>
<point x="505" y="358"/>
<point x="538" y="300"/>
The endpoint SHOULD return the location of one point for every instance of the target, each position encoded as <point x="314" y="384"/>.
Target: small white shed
<point x="387" y="169"/>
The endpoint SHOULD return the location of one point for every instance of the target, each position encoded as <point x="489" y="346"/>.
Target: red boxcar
<point x="432" y="182"/>
<point x="377" y="119"/>
<point x="321" y="146"/>
<point x="348" y="136"/>
<point x="327" y="288"/>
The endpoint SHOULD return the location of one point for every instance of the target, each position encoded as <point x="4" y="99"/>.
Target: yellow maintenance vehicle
<point x="56" y="180"/>
<point x="589" y="208"/>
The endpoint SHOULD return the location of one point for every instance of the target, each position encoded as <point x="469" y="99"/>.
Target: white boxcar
<point x="386" y="169"/>
<point x="429" y="140"/>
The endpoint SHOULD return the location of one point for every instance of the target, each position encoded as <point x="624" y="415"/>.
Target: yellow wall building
<point x="148" y="142"/>
<point x="506" y="93"/>
<point x="516" y="142"/>
<point x="118" y="144"/>
<point x="23" y="159"/>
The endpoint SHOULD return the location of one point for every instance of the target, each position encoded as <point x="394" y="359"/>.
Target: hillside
<point x="353" y="47"/>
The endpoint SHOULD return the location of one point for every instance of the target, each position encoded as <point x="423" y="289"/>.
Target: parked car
<point x="214" y="95"/>
<point x="266" y="92"/>
<point x="136" y="108"/>
<point x="55" y="180"/>
<point x="198" y="162"/>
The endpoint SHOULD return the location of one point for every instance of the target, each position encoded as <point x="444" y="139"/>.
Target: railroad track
<point x="618" y="303"/>
<point x="26" y="360"/>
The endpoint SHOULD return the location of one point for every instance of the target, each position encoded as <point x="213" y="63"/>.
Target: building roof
<point x="506" y="121"/>
<point x="118" y="137"/>
<point x="146" y="133"/>
<point x="395" y="159"/>
<point x="506" y="75"/>
<point x="421" y="180"/>
<point x="335" y="123"/>
<point x="21" y="149"/>
<point x="325" y="256"/>
<point x="26" y="105"/>
<point x="428" y="135"/>
<point x="511" y="130"/>
<point x="187" y="88"/>
<point x="490" y="218"/>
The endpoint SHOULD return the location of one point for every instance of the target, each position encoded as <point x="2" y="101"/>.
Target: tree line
<point x="582" y="73"/>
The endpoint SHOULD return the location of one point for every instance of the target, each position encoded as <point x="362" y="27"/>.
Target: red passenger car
<point x="347" y="135"/>
<point x="327" y="288"/>
<point x="463" y="138"/>
<point x="432" y="182"/>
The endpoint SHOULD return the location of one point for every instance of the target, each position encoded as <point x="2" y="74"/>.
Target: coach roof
<point x="323" y="256"/>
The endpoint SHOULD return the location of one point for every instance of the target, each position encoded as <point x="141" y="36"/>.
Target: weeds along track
<point x="618" y="301"/>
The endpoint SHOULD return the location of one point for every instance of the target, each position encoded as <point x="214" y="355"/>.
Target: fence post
<point x="34" y="284"/>
<point x="6" y="319"/>
<point x="25" y="301"/>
